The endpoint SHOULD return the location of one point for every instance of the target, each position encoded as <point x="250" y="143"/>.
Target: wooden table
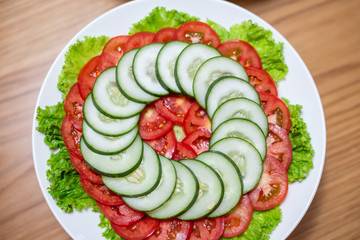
<point x="324" y="32"/>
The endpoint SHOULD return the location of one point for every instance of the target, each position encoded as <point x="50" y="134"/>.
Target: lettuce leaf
<point x="76" y="57"/>
<point x="270" y="52"/>
<point x="303" y="152"/>
<point x="65" y="186"/>
<point x="50" y="119"/>
<point x="261" y="225"/>
<point x="160" y="18"/>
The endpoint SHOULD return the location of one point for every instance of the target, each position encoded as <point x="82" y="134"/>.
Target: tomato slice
<point x="183" y="151"/>
<point x="165" y="145"/>
<point x="261" y="80"/>
<point x="279" y="145"/>
<point x="276" y="110"/>
<point x="87" y="76"/>
<point x="198" y="140"/>
<point x="173" y="108"/>
<point x="197" y="32"/>
<point x="84" y="170"/>
<point x="112" y="52"/>
<point x="242" y="52"/>
<point x="208" y="228"/>
<point x="138" y="230"/>
<point x="238" y="219"/>
<point x="71" y="137"/>
<point x="121" y="215"/>
<point x="100" y="193"/>
<point x="152" y="125"/>
<point x="73" y="106"/>
<point x="196" y="118"/>
<point x="138" y="40"/>
<point x="172" y="229"/>
<point x="164" y="35"/>
<point x="272" y="187"/>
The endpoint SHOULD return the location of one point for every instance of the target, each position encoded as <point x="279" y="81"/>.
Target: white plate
<point x="299" y="88"/>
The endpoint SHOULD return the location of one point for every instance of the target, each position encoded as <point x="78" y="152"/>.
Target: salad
<point x="66" y="185"/>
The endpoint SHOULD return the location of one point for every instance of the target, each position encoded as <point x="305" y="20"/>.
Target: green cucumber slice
<point x="183" y="197"/>
<point x="188" y="63"/>
<point x="126" y="81"/>
<point x="211" y="190"/>
<point x="226" y="88"/>
<point x="241" y="128"/>
<point x="240" y="108"/>
<point x="246" y="158"/>
<point x="106" y="125"/>
<point x="231" y="177"/>
<point x="161" y="193"/>
<point x="165" y="64"/>
<point x="141" y="181"/>
<point x="118" y="165"/>
<point x="212" y="69"/>
<point x="109" y="100"/>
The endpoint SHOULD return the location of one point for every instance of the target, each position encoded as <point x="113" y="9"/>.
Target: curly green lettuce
<point x="76" y="57"/>
<point x="160" y="18"/>
<point x="303" y="152"/>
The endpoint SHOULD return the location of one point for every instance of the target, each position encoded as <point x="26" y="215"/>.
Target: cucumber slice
<point x="241" y="128"/>
<point x="240" y="108"/>
<point x="211" y="191"/>
<point x="104" y="124"/>
<point x="144" y="69"/>
<point x="141" y="181"/>
<point x="126" y="81"/>
<point x="231" y="177"/>
<point x="108" y="98"/>
<point x="246" y="158"/>
<point x="226" y="88"/>
<point x="183" y="197"/>
<point x="189" y="62"/>
<point x="162" y="192"/>
<point x="165" y="64"/>
<point x="118" y="165"/>
<point x="104" y="144"/>
<point x="213" y="69"/>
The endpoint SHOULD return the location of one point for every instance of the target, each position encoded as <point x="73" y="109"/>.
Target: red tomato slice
<point x="100" y="193"/>
<point x="138" y="230"/>
<point x="238" y="219"/>
<point x="164" y="145"/>
<point x="112" y="52"/>
<point x="172" y="229"/>
<point x="152" y="125"/>
<point x="208" y="228"/>
<point x="73" y="106"/>
<point x="242" y="52"/>
<point x="84" y="170"/>
<point x="196" y="118"/>
<point x="121" y="215"/>
<point x="71" y="137"/>
<point x="197" y="32"/>
<point x="261" y="80"/>
<point x="198" y="140"/>
<point x="138" y="40"/>
<point x="173" y="108"/>
<point x="164" y="35"/>
<point x="184" y="151"/>
<point x="87" y="76"/>
<point x="272" y="187"/>
<point x="279" y="145"/>
<point x="276" y="110"/>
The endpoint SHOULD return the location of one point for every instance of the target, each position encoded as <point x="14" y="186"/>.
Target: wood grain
<point x="324" y="32"/>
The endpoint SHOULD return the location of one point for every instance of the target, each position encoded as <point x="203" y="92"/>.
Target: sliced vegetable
<point x="121" y="215"/>
<point x="73" y="106"/>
